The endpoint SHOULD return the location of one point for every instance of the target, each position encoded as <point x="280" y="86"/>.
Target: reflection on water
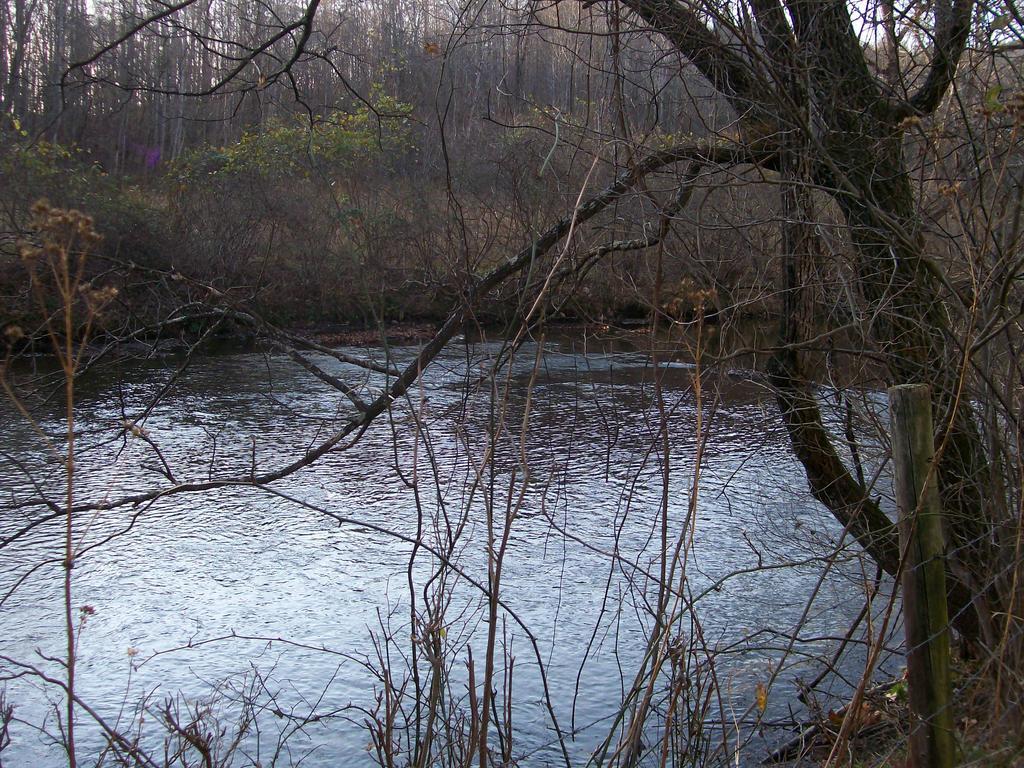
<point x="187" y="577"/>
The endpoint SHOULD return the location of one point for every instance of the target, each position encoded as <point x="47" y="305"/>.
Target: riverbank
<point x="882" y="724"/>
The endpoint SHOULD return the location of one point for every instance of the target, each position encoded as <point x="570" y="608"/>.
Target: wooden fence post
<point x="925" y="615"/>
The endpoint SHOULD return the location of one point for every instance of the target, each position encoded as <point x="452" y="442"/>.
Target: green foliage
<point x="67" y="176"/>
<point x="34" y="168"/>
<point x="897" y="691"/>
<point x="337" y="142"/>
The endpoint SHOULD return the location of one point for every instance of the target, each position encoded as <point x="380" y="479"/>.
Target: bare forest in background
<point x="193" y="153"/>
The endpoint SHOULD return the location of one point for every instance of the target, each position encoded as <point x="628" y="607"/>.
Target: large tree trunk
<point x="909" y="323"/>
<point x="800" y="84"/>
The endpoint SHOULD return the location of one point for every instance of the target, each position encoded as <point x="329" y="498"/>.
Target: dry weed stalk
<point x="56" y="262"/>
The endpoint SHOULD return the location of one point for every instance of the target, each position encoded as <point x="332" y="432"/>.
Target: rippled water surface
<point x="185" y="580"/>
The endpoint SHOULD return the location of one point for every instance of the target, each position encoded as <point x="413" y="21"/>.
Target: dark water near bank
<point x="189" y="576"/>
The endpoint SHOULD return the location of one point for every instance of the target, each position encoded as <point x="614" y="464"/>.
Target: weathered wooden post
<point x="925" y="614"/>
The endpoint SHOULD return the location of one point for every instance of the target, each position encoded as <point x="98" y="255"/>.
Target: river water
<point x="202" y="591"/>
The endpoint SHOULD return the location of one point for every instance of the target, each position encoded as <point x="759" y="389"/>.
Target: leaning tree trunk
<point x="854" y="135"/>
<point x="908" y="326"/>
<point x="909" y="323"/>
<point x="804" y="92"/>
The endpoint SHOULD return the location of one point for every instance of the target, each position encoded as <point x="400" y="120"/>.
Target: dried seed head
<point x="28" y="253"/>
<point x="907" y="123"/>
<point x="99" y="297"/>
